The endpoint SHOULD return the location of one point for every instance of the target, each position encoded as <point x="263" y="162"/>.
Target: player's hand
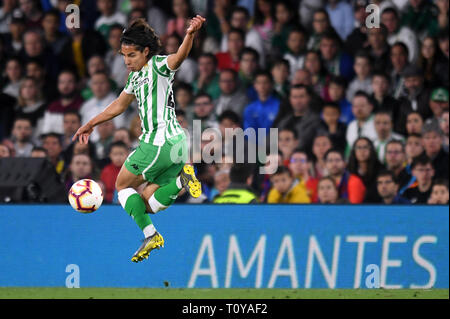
<point x="195" y="24"/>
<point x="83" y="133"/>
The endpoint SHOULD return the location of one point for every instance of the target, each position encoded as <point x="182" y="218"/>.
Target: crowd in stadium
<point x="362" y="112"/>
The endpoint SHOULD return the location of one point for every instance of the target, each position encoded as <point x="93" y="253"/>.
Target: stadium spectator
<point x="287" y="143"/>
<point x="4" y="151"/>
<point x="136" y="130"/>
<point x="248" y="66"/>
<point x="103" y="96"/>
<point x="240" y="19"/>
<point x="235" y="43"/>
<point x="296" y="49"/>
<point x="207" y="79"/>
<point x="300" y="167"/>
<point x="413" y="147"/>
<point x="182" y="11"/>
<point x="6" y="13"/>
<point x="280" y="73"/>
<point x="336" y="94"/>
<point x="331" y="124"/>
<point x="285" y="20"/>
<point x="327" y="191"/>
<point x="71" y="123"/>
<point x="301" y="76"/>
<point x="420" y="17"/>
<point x="32" y="12"/>
<point x="321" y="144"/>
<point x="52" y="36"/>
<point x="381" y="97"/>
<point x="238" y="191"/>
<point x="154" y="15"/>
<point x="397" y="33"/>
<point x="414" y="123"/>
<point x="113" y="59"/>
<point x="183" y="97"/>
<point x="341" y="17"/>
<point x="383" y="127"/>
<point x="35" y="69"/>
<point x="109" y="16"/>
<point x="320" y="24"/>
<point x="31" y="105"/>
<point x="14" y="77"/>
<point x="443" y="122"/>
<point x="204" y="111"/>
<point x="357" y="39"/>
<point x="431" y="61"/>
<point x="287" y="189"/>
<point x="439" y="192"/>
<point x="221" y="182"/>
<point x="350" y="186"/>
<point x="80" y="167"/>
<point x="118" y="153"/>
<point x="314" y="64"/>
<point x="105" y="134"/>
<point x="187" y="72"/>
<point x="395" y="162"/>
<point x="378" y="47"/>
<point x="7" y="114"/>
<point x="51" y="142"/>
<point x="123" y="135"/>
<point x="262" y="112"/>
<point x="80" y="47"/>
<point x="69" y="99"/>
<point x="363" y="162"/>
<point x="16" y="29"/>
<point x="398" y="56"/>
<point x="21" y="136"/>
<point x="363" y="79"/>
<point x="38" y="152"/>
<point x="423" y="171"/>
<point x="263" y="21"/>
<point x="336" y="61"/>
<point x="438" y="103"/>
<point x="387" y="187"/>
<point x="232" y="96"/>
<point x="432" y="143"/>
<point x="297" y="112"/>
<point x="417" y="96"/>
<point x="363" y="125"/>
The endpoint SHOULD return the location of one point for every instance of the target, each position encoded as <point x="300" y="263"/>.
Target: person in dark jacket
<point x="239" y="191"/>
<point x="387" y="187"/>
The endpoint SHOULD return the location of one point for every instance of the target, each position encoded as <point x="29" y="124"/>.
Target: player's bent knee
<point x="155" y="206"/>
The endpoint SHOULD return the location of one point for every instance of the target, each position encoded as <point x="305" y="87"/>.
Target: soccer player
<point x="162" y="152"/>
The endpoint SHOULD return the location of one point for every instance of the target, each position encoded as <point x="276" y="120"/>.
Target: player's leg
<point x="172" y="174"/>
<point x="129" y="179"/>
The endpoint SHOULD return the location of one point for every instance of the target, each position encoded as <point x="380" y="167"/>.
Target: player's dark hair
<point x="141" y="35"/>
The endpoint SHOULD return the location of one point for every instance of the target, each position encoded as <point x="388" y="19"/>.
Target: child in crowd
<point x="287" y="189"/>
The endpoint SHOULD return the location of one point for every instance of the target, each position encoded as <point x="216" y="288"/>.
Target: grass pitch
<point x="192" y="293"/>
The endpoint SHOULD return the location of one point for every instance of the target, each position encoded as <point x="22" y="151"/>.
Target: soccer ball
<point x="85" y="196"/>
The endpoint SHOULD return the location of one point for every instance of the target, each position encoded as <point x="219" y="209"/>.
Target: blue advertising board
<point x="228" y="246"/>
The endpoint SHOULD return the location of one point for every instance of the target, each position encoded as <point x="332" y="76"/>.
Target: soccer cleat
<point x="190" y="182"/>
<point x="148" y="244"/>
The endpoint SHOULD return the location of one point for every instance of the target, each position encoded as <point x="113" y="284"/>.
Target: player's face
<point x="133" y="58"/>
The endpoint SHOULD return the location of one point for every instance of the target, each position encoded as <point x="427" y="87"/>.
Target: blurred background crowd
<point x="362" y="113"/>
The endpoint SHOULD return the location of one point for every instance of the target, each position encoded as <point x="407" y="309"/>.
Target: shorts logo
<point x="135" y="166"/>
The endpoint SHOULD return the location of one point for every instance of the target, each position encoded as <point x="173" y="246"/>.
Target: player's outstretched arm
<point x="174" y="60"/>
<point x="118" y="106"/>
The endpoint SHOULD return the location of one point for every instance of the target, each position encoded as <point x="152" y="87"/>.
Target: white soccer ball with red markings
<point x="85" y="196"/>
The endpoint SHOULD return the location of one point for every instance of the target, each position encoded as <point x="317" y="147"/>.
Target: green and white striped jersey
<point x="152" y="86"/>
